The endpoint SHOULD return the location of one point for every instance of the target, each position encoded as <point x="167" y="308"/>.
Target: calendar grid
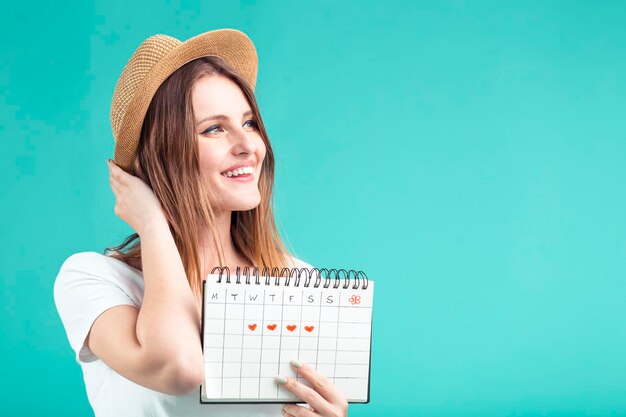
<point x="336" y="345"/>
<point x="317" y="352"/>
<point x="223" y="348"/>
<point x="300" y="324"/>
<point x="328" y="329"/>
<point x="243" y="330"/>
<point x="262" y="334"/>
<point x="280" y="341"/>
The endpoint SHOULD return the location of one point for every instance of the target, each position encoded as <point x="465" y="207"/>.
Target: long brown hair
<point x="167" y="160"/>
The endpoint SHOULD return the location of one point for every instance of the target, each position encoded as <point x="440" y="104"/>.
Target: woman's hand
<point x="323" y="399"/>
<point x="135" y="202"/>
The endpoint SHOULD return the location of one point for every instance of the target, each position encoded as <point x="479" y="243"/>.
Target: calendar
<point x="254" y="325"/>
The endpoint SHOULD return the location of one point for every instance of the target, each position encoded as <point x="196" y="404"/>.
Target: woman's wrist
<point x="156" y="226"/>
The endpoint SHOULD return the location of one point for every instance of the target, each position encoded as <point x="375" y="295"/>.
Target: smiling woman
<point x="193" y="176"/>
<point x="232" y="228"/>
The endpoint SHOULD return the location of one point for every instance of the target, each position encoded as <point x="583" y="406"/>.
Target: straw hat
<point x="156" y="59"/>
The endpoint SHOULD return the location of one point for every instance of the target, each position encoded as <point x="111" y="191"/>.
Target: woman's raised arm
<point x="159" y="345"/>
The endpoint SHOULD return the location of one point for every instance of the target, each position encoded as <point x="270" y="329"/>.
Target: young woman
<point x="193" y="177"/>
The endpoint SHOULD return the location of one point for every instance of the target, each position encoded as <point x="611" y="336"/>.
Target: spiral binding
<point x="328" y="276"/>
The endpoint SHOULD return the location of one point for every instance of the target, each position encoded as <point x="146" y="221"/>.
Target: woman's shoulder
<point x="84" y="274"/>
<point x="87" y="260"/>
<point x="95" y="264"/>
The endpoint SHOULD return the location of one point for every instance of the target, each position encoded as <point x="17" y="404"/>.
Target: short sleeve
<point x="85" y="288"/>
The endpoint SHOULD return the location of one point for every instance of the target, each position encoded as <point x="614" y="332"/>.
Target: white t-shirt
<point x="90" y="283"/>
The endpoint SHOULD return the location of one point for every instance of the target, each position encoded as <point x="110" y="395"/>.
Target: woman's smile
<point x="240" y="177"/>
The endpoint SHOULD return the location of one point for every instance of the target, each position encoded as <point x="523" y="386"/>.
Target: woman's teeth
<point x="240" y="171"/>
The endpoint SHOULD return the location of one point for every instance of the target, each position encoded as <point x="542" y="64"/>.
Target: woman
<point x="194" y="181"/>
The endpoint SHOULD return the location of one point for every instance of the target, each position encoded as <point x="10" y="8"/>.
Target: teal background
<point x="469" y="156"/>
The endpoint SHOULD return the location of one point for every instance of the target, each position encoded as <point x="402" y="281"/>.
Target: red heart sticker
<point x="271" y="326"/>
<point x="252" y="326"/>
<point x="291" y="327"/>
<point x="309" y="328"/>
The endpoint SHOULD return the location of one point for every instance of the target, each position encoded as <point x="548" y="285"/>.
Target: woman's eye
<point x="210" y="129"/>
<point x="252" y="123"/>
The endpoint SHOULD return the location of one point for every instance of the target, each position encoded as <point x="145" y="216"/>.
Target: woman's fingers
<point x="114" y="185"/>
<point x="113" y="174"/>
<point x="135" y="202"/>
<point x="306" y="394"/>
<point x="119" y="179"/>
<point x="118" y="173"/>
<point x="321" y="384"/>
<point x="324" y="398"/>
<point x="297" y="411"/>
<point x="112" y="168"/>
<point x="115" y="188"/>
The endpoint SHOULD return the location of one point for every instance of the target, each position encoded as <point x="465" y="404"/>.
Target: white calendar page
<point x="252" y="331"/>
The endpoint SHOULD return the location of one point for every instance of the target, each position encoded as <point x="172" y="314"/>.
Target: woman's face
<point x="231" y="149"/>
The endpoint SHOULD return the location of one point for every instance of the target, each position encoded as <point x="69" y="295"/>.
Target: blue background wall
<point x="469" y="156"/>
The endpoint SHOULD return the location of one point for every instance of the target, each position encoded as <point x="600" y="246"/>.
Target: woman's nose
<point x="244" y="142"/>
